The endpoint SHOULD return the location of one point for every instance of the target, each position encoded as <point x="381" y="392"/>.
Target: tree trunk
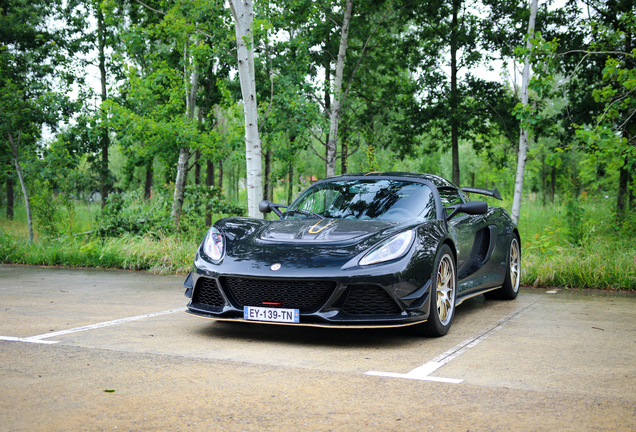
<point x="327" y="104"/>
<point x="209" y="182"/>
<point x="148" y="182"/>
<point x="544" y="192"/>
<point x="267" y="189"/>
<point x="523" y="135"/>
<point x="10" y="194"/>
<point x="552" y="184"/>
<point x="243" y="16"/>
<point x="344" y="161"/>
<point x="630" y="192"/>
<point x="179" y="186"/>
<point x="197" y="167"/>
<point x="290" y="183"/>
<point x="237" y="182"/>
<point x="209" y="173"/>
<point x="629" y="128"/>
<point x="184" y="156"/>
<point x="337" y="89"/>
<point x="15" y="144"/>
<point x="453" y="95"/>
<point x="221" y="175"/>
<point x="622" y="203"/>
<point x="104" y="139"/>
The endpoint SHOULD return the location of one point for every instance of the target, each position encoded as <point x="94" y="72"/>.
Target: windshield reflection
<point x="367" y="200"/>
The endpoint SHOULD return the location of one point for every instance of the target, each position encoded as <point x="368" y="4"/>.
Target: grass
<point x="168" y="255"/>
<point x="605" y="258"/>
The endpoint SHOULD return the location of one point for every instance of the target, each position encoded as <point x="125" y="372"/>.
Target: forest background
<point x="123" y="135"/>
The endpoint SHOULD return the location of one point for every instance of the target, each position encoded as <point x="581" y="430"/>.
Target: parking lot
<point x="114" y="350"/>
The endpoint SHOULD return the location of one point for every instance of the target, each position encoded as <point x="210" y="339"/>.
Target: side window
<point x="450" y="196"/>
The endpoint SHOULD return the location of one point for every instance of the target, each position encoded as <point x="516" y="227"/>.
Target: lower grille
<point x="207" y="292"/>
<point x="306" y="295"/>
<point x="370" y="300"/>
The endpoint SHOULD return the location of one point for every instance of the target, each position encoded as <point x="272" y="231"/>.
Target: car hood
<point x="253" y="245"/>
<point x="322" y="230"/>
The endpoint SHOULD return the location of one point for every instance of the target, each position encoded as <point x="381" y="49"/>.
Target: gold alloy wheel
<point x="445" y="289"/>
<point x="515" y="264"/>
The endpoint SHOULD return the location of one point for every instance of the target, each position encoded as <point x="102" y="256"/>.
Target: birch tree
<point x="31" y="94"/>
<point x="337" y="89"/>
<point x="15" y="144"/>
<point x="242" y="11"/>
<point x="523" y="134"/>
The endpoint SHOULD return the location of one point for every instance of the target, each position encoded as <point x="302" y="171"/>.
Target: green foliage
<point x="202" y="200"/>
<point x="574" y="214"/>
<point x="163" y="255"/>
<point x="609" y="268"/>
<point x="604" y="258"/>
<point x="54" y="212"/>
<point x="400" y="113"/>
<point x="128" y="214"/>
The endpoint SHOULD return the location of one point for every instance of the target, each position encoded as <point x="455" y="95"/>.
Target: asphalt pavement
<point x="113" y="350"/>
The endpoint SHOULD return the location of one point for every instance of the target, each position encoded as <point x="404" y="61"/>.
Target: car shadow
<point x="332" y="337"/>
<point x="305" y="335"/>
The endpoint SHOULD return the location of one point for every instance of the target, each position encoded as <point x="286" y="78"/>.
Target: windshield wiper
<point x="306" y="213"/>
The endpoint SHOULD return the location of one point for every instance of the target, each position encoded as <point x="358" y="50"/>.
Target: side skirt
<point x="474" y="294"/>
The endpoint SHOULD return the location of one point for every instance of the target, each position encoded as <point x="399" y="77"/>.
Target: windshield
<point x="366" y="200"/>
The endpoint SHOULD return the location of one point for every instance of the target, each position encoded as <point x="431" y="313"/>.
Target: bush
<point x="128" y="213"/>
<point x="200" y="202"/>
<point x="54" y="213"/>
<point x="574" y="214"/>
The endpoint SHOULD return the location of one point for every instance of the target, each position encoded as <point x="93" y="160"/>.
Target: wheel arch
<point x="450" y="244"/>
<point x="516" y="232"/>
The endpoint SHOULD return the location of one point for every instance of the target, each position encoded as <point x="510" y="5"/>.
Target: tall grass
<point x="603" y="258"/>
<point x="167" y="255"/>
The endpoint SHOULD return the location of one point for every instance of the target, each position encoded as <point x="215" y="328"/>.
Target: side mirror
<point x="474" y="207"/>
<point x="471" y="208"/>
<point x="267" y="206"/>
<point x="263" y="206"/>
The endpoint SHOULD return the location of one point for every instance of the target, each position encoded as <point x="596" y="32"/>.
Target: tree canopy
<point x="128" y="94"/>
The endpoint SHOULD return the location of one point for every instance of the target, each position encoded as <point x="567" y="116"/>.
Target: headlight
<point x="389" y="249"/>
<point x="214" y="244"/>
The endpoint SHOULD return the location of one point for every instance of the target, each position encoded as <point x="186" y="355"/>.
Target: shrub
<point x="54" y="213"/>
<point x="128" y="213"/>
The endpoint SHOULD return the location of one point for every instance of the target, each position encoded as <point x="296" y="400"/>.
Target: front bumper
<point x="351" y="301"/>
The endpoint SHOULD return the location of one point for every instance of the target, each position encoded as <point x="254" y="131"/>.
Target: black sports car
<point x="359" y="250"/>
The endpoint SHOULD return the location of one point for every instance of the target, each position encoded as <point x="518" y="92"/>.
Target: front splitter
<point x="335" y="326"/>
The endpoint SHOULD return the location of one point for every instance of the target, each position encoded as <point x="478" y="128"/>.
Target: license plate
<point x="253" y="313"/>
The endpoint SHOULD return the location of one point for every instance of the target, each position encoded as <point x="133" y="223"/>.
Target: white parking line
<point x="38" y="338"/>
<point x="422" y="372"/>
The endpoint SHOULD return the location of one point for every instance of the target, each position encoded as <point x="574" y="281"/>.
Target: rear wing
<point x="492" y="193"/>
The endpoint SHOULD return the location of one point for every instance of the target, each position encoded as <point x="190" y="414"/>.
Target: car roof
<point x="438" y="181"/>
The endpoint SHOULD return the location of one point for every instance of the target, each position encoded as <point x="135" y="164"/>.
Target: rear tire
<point x="443" y="293"/>
<point x="510" y="288"/>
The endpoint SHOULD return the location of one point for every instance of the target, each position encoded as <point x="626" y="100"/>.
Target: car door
<point x="463" y="228"/>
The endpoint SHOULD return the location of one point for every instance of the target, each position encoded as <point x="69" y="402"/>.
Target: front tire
<point x="510" y="288"/>
<point x="443" y="293"/>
